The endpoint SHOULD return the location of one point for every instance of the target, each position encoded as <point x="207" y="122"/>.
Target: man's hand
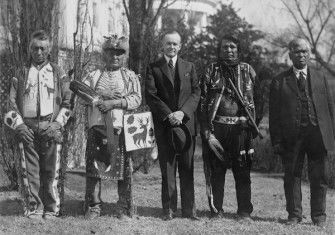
<point x="109" y="94"/>
<point x="24" y="133"/>
<point x="106" y="105"/>
<point x="53" y="130"/>
<point x="179" y="115"/>
<point x="176" y="118"/>
<point x="216" y="147"/>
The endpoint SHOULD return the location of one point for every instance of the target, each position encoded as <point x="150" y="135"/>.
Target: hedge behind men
<point x="302" y="122"/>
<point x="39" y="107"/>
<point x="172" y="92"/>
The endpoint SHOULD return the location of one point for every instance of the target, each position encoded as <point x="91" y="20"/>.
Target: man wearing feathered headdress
<point x="106" y="156"/>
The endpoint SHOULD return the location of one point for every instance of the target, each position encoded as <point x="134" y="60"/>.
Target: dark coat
<point x="285" y="108"/>
<point x="160" y="95"/>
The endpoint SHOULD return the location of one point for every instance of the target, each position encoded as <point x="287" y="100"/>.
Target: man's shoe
<point x="93" y="212"/>
<point x="121" y="213"/>
<point x="191" y="217"/>
<point x="35" y="215"/>
<point x="167" y="215"/>
<point x="50" y="215"/>
<point x="217" y="215"/>
<point x="244" y="218"/>
<point x="321" y="224"/>
<point x="293" y="221"/>
<point x="194" y="217"/>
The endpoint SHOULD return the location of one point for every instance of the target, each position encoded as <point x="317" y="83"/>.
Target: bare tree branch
<point x="323" y="26"/>
<point x="324" y="63"/>
<point x="313" y="26"/>
<point x="297" y="4"/>
<point x="331" y="52"/>
<point x="164" y="4"/>
<point x="296" y="20"/>
<point x="159" y="9"/>
<point x="169" y="4"/>
<point x="126" y="9"/>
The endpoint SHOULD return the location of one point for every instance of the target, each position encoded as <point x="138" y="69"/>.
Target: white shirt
<point x="174" y="60"/>
<point x="298" y="71"/>
<point x="40" y="82"/>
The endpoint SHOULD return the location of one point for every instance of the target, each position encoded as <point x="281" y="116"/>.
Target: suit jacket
<point x="160" y="94"/>
<point x="285" y="108"/>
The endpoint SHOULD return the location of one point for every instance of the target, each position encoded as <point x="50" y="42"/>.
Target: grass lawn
<point x="267" y="196"/>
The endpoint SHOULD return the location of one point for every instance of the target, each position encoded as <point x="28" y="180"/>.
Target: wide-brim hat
<point x="115" y="43"/>
<point x="180" y="138"/>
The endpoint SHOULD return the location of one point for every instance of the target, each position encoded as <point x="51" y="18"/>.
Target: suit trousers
<point x="309" y="142"/>
<point x="40" y="164"/>
<point x="169" y="161"/>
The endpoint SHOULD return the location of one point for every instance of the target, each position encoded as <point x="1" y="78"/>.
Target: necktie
<point x="302" y="82"/>
<point x="171" y="67"/>
<point x="171" y="64"/>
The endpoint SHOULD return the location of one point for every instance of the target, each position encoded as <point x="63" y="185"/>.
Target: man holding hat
<point x="106" y="157"/>
<point x="225" y="129"/>
<point x="172" y="92"/>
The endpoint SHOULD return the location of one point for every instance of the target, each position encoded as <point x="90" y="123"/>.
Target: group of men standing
<point x="301" y="121"/>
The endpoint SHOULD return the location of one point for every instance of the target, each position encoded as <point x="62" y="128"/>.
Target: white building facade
<point x="198" y="10"/>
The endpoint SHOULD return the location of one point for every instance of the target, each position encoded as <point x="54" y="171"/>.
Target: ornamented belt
<point x="41" y="118"/>
<point x="229" y="120"/>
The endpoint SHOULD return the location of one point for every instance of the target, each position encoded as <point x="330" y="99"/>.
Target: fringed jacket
<point x="61" y="96"/>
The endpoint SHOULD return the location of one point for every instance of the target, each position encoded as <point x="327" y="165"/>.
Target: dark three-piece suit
<point x="302" y="122"/>
<point x="167" y="92"/>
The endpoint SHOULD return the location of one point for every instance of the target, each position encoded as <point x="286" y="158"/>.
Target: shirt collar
<point x="174" y="60"/>
<point x="45" y="65"/>
<point x="297" y="71"/>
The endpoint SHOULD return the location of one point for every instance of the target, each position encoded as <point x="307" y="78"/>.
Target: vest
<point x="308" y="114"/>
<point x="176" y="87"/>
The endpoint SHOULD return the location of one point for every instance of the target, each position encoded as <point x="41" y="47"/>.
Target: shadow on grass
<point x="111" y="209"/>
<point x="145" y="211"/>
<point x="11" y="207"/>
<point x="73" y="208"/>
<point x="76" y="208"/>
<point x="233" y="216"/>
<point x="263" y="174"/>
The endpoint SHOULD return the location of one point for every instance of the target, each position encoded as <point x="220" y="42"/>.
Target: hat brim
<point x="188" y="137"/>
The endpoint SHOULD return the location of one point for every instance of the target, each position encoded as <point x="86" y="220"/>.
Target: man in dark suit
<point x="172" y="93"/>
<point x="302" y="122"/>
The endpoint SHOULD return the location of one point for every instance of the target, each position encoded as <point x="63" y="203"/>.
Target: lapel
<point x="291" y="81"/>
<point x="181" y="72"/>
<point x="313" y="80"/>
<point x="165" y="69"/>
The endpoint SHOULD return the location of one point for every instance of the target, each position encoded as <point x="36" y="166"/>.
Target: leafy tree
<point x="225" y="22"/>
